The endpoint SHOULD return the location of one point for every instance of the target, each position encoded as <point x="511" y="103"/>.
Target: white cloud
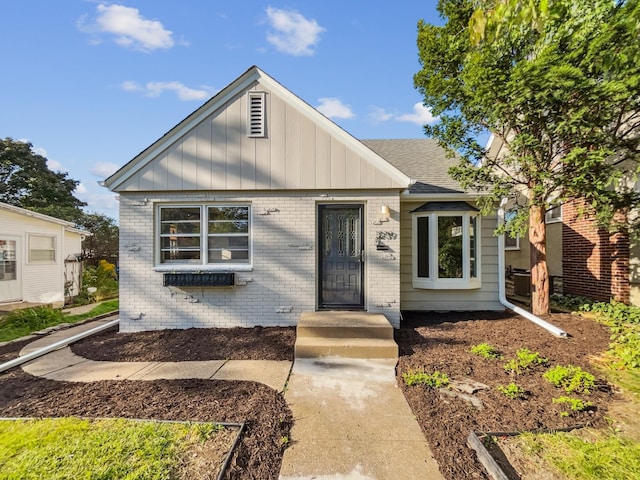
<point x="421" y="115"/>
<point x="155" y="89"/>
<point x="80" y="189"/>
<point x="293" y="33"/>
<point x="334" y="108"/>
<point x="53" y="165"/>
<point x="379" y="114"/>
<point x="104" y="169"/>
<point x="128" y="28"/>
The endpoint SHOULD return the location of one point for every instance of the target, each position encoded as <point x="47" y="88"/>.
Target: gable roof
<point x="423" y="160"/>
<point x="359" y="165"/>
<point x="68" y="226"/>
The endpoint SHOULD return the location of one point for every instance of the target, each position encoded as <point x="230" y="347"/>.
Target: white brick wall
<point x="282" y="283"/>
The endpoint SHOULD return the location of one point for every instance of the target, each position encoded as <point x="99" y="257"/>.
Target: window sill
<point x="443" y="284"/>
<point x="202" y="268"/>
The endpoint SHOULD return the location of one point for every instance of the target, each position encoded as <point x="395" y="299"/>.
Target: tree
<point x="103" y="242"/>
<point x="27" y="182"/>
<point x="558" y="82"/>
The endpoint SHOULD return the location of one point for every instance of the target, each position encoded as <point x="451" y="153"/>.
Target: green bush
<point x="575" y="404"/>
<point x="571" y="378"/>
<point x="512" y="391"/>
<point x="103" y="278"/>
<point x="485" y="350"/>
<point x="420" y="377"/>
<point x="525" y="359"/>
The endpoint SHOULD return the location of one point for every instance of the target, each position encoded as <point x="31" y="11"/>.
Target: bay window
<point x="446" y="246"/>
<point x="205" y="235"/>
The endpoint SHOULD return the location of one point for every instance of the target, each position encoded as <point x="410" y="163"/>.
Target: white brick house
<point x="256" y="208"/>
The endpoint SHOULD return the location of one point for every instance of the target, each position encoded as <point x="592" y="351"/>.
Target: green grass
<point x="70" y="448"/>
<point x="26" y="321"/>
<point x="598" y="457"/>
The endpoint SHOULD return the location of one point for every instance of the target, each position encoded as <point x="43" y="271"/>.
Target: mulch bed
<point x="442" y="342"/>
<point x="258" y="343"/>
<point x="427" y="341"/>
<point x="268" y="418"/>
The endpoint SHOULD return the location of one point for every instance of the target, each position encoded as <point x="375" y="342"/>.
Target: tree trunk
<point x="538" y="261"/>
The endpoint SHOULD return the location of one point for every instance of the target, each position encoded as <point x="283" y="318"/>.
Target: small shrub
<point x="512" y="391"/>
<point x="420" y="377"/>
<point x="485" y="350"/>
<point x="103" y="278"/>
<point x="571" y="378"/>
<point x="574" y="404"/>
<point x="525" y="359"/>
<point x="25" y="321"/>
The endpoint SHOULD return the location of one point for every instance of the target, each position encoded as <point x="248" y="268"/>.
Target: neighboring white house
<point x="39" y="257"/>
<point x="256" y="208"/>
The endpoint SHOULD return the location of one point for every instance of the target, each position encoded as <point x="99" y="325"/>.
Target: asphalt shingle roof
<point x="420" y="159"/>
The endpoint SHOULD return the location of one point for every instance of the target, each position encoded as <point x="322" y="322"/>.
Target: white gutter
<point x="55" y="346"/>
<point x="502" y="287"/>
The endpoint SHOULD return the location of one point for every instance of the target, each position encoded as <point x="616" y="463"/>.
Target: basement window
<point x="446" y="246"/>
<point x="256" y="125"/>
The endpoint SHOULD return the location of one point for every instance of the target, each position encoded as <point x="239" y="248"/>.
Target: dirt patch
<point x="258" y="343"/>
<point x="442" y="342"/>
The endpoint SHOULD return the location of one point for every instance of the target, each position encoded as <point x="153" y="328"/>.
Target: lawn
<point x="20" y="323"/>
<point x="65" y="448"/>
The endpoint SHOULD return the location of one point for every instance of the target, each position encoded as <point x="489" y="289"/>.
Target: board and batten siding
<point x="296" y="153"/>
<point x="484" y="298"/>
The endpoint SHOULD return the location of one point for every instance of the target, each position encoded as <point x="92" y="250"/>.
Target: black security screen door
<point x="340" y="257"/>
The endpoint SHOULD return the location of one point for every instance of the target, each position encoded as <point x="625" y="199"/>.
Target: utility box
<point x="522" y="284"/>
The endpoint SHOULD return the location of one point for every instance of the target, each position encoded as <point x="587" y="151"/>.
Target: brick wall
<point x="282" y="282"/>
<point x="595" y="262"/>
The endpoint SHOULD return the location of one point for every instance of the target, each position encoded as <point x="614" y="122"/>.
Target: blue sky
<point x="91" y="84"/>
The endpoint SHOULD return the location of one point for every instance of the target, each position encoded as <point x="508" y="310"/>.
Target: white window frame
<point x="549" y="216"/>
<point x="507" y="237"/>
<point x="202" y="264"/>
<point x="433" y="281"/>
<point x="53" y="249"/>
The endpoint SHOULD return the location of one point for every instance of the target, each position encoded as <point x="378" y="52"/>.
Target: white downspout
<point x="502" y="287"/>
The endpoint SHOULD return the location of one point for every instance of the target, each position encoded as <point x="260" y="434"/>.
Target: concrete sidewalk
<point x="352" y="422"/>
<point x="64" y="365"/>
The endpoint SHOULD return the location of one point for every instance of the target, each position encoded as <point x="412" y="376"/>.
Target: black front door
<point x="340" y="257"/>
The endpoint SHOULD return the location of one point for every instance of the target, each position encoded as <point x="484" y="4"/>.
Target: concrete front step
<point x="307" y="347"/>
<point x="345" y="334"/>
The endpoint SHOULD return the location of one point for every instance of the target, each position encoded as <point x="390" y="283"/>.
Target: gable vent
<point x="256" y="117"/>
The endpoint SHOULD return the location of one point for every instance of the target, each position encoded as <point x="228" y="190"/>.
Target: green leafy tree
<point x="557" y="82"/>
<point x="103" y="242"/>
<point x="26" y="181"/>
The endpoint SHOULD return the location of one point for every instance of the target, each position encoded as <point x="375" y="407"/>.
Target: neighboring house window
<point x="446" y="246"/>
<point x="216" y="235"/>
<point x="42" y="248"/>
<point x="511" y="243"/>
<point x="256" y="114"/>
<point x="554" y="214"/>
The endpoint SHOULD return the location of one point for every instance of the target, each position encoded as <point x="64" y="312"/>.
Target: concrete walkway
<point x="351" y="421"/>
<point x="64" y="365"/>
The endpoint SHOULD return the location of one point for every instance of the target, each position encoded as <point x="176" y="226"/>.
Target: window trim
<point x="54" y="249"/>
<point x="511" y="247"/>
<point x="433" y="281"/>
<point x="204" y="240"/>
<point x="549" y="218"/>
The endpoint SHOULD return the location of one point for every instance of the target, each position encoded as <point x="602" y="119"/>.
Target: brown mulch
<point x="442" y="342"/>
<point x="258" y="343"/>
<point x="427" y="341"/>
<point x="267" y="417"/>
